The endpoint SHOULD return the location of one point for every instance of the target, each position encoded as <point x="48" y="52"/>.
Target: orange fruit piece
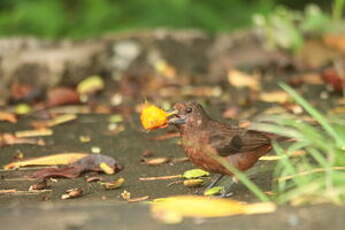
<point x="153" y="117"/>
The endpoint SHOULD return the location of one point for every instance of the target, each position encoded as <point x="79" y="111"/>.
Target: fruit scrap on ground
<point x="153" y="117"/>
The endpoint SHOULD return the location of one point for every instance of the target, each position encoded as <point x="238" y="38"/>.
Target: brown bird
<point x="203" y="137"/>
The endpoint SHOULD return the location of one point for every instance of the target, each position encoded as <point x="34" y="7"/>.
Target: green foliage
<point x="84" y="18"/>
<point x="285" y="28"/>
<point x="319" y="175"/>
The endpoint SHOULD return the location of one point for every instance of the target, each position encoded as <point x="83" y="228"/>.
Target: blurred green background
<point x="87" y="18"/>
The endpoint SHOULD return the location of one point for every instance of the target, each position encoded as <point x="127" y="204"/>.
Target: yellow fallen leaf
<point x="201" y="206"/>
<point x="56" y="159"/>
<point x="114" y="184"/>
<point x="90" y="85"/>
<point x="274" y="96"/>
<point x="153" y="117"/>
<point x="240" y="80"/>
<point x="106" y="168"/>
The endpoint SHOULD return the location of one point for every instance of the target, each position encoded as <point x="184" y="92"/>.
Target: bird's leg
<point x="215" y="181"/>
<point x="227" y="190"/>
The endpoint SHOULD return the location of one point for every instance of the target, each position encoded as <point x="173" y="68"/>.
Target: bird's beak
<point x="174" y="118"/>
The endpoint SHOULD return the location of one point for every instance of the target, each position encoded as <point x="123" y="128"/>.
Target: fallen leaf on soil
<point x="214" y="191"/>
<point x="138" y="199"/>
<point x="114" y="184"/>
<point x="18" y="192"/>
<point x="9" y="139"/>
<point x="107" y="169"/>
<point x="94" y="179"/>
<point x="72" y="193"/>
<point x="24" y="92"/>
<point x="56" y="159"/>
<point x="173" y="209"/>
<point x="62" y="96"/>
<point x="195" y="173"/>
<point x="157" y="161"/>
<point x="54" y="122"/>
<point x="39" y="186"/>
<point x="334" y="79"/>
<point x="90" y="162"/>
<point x="153" y="117"/>
<point x="240" y="80"/>
<point x="160" y="178"/>
<point x="34" y="133"/>
<point x="9" y="117"/>
<point x="278" y="96"/>
<point x="193" y="182"/>
<point x="90" y="85"/>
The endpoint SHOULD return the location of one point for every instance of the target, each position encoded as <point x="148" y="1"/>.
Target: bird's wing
<point x="228" y="141"/>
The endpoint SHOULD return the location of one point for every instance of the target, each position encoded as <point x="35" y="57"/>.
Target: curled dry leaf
<point x="114" y="184"/>
<point x="72" y="193"/>
<point x="240" y="80"/>
<point x="278" y="96"/>
<point x="193" y="182"/>
<point x="90" y="85"/>
<point x="152" y="117"/>
<point x="173" y="209"/>
<point x="157" y="161"/>
<point x="93" y="179"/>
<point x="9" y="117"/>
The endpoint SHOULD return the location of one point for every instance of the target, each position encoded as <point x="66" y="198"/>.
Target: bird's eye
<point x="189" y="110"/>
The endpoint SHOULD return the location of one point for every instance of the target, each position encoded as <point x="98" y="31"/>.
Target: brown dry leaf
<point x="157" y="161"/>
<point x="9" y="117"/>
<point x="9" y="139"/>
<point x="334" y="79"/>
<point x="56" y="121"/>
<point x="34" y="133"/>
<point x="39" y="186"/>
<point x="72" y="193"/>
<point x="56" y="159"/>
<point x="173" y="209"/>
<point x="114" y="184"/>
<point x="278" y="96"/>
<point x="240" y="80"/>
<point x="62" y="96"/>
<point x="138" y="199"/>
